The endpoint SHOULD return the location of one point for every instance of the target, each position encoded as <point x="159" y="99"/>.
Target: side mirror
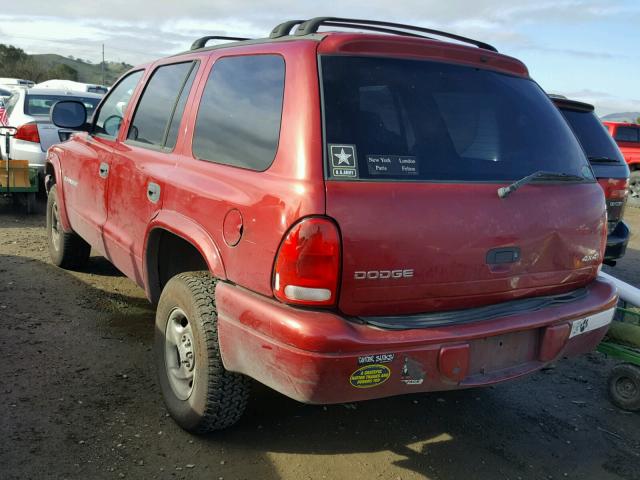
<point x="69" y="114"/>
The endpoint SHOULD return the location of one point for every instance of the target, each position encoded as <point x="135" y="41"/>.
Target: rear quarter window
<point x="239" y="116"/>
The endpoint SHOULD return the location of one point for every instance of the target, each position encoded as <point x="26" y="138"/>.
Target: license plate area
<point x="500" y="352"/>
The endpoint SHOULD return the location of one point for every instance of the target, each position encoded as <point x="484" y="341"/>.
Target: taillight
<point x="615" y="192"/>
<point x="28" y="132"/>
<point x="615" y="188"/>
<point x="307" y="267"/>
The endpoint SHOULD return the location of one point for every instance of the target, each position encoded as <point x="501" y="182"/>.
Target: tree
<point x="10" y="56"/>
<point x="14" y="62"/>
<point x="62" y="72"/>
<point x="638" y="120"/>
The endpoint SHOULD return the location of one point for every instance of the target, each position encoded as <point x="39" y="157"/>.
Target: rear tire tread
<point x="227" y="392"/>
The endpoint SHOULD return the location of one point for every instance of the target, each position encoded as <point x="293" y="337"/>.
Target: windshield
<point x="593" y="136"/>
<point x="398" y="119"/>
<point x="41" y="104"/>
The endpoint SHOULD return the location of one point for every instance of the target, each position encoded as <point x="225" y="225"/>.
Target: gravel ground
<point x="79" y="399"/>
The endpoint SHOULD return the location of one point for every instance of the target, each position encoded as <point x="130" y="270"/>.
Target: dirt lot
<point x="79" y="399"/>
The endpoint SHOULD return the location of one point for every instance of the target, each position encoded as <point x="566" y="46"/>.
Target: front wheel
<point x="199" y="393"/>
<point x="624" y="386"/>
<point x="66" y="249"/>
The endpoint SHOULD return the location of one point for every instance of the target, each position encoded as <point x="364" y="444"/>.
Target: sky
<point x="585" y="49"/>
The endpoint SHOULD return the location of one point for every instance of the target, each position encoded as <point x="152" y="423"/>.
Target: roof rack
<point x="283" y="29"/>
<point x="201" y="42"/>
<point x="312" y="25"/>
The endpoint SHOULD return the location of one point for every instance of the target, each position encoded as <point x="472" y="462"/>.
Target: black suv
<point x="608" y="165"/>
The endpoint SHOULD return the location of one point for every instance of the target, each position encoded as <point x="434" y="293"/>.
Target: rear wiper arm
<point x="503" y="192"/>
<point x="596" y="159"/>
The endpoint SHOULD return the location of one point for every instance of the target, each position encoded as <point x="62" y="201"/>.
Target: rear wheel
<point x="199" y="393"/>
<point x="624" y="386"/>
<point x="634" y="189"/>
<point x="66" y="248"/>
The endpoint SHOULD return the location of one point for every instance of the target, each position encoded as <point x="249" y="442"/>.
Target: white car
<point x="15" y="83"/>
<point x="70" y="85"/>
<point x="28" y="111"/>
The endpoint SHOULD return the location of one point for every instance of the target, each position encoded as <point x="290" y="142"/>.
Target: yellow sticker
<point x="370" y="376"/>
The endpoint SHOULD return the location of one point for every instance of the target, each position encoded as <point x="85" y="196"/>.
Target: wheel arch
<point x="175" y="244"/>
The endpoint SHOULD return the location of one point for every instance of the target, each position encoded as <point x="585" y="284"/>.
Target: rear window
<point x="96" y="89"/>
<point x="41" y="104"/>
<point x="397" y="119"/>
<point x="594" y="137"/>
<point x="627" y="134"/>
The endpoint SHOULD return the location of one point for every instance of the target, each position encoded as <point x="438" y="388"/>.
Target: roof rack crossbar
<point x="312" y="25"/>
<point x="375" y="29"/>
<point x="284" y="29"/>
<point x="201" y="42"/>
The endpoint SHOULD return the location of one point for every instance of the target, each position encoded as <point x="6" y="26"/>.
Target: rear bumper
<point x="321" y="357"/>
<point x="31" y="151"/>
<point x="617" y="242"/>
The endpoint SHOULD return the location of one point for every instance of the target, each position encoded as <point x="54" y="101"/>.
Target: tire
<point x="624" y="386"/>
<point x="66" y="249"/>
<point x="634" y="189"/>
<point x="199" y="393"/>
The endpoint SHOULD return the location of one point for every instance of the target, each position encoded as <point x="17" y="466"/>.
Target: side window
<point x="239" y="116"/>
<point x="160" y="109"/>
<point x="11" y="103"/>
<point x="627" y="134"/>
<point x="113" y="109"/>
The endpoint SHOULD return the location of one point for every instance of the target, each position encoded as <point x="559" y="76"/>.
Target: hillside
<point x="622" y="117"/>
<point x="16" y="63"/>
<point x="87" y="72"/>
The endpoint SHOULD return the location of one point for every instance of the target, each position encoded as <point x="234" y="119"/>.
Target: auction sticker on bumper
<point x="370" y="376"/>
<point x="591" y="322"/>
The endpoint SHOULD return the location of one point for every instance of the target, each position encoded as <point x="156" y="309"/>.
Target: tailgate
<point x="414" y="248"/>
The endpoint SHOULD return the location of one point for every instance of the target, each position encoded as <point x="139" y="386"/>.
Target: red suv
<point x="627" y="136"/>
<point x="340" y="216"/>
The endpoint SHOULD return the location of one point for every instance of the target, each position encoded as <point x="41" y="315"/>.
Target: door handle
<point x="153" y="192"/>
<point x="104" y="169"/>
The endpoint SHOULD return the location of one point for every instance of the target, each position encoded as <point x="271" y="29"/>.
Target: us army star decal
<point x="342" y="157"/>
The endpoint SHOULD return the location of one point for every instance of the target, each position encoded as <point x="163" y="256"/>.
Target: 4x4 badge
<point x="344" y="162"/>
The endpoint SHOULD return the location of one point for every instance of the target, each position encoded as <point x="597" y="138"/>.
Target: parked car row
<point x="15" y="83"/>
<point x="29" y="111"/>
<point x="342" y="216"/>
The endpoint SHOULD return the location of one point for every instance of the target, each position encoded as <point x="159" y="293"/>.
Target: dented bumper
<point x="321" y="357"/>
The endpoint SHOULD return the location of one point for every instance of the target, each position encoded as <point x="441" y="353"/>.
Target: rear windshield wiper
<point x="596" y="159"/>
<point x="503" y="192"/>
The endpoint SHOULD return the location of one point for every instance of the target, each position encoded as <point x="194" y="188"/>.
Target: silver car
<point x="28" y="111"/>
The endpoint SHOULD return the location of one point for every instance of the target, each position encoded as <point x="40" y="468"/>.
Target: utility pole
<point x="102" y="65"/>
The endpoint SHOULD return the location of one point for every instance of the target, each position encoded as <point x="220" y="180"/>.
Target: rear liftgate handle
<point x="104" y="169"/>
<point x="153" y="192"/>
